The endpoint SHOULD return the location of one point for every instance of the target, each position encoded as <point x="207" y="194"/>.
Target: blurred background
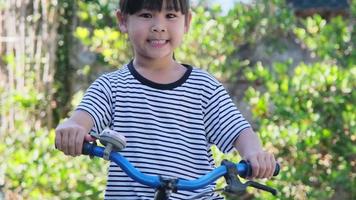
<point x="288" y="64"/>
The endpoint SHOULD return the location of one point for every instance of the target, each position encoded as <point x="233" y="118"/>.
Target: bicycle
<point x="114" y="142"/>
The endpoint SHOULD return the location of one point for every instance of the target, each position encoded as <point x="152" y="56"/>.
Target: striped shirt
<point x="169" y="127"/>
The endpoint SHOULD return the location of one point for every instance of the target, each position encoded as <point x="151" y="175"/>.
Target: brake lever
<point x="261" y="187"/>
<point x="235" y="186"/>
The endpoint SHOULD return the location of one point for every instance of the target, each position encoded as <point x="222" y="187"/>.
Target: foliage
<point x="309" y="113"/>
<point x="98" y="31"/>
<point x="305" y="114"/>
<point x="38" y="171"/>
<point x="310" y="117"/>
<point x="30" y="167"/>
<point x="64" y="69"/>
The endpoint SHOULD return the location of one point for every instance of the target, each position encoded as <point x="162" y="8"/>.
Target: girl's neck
<point x="161" y="70"/>
<point x="162" y="64"/>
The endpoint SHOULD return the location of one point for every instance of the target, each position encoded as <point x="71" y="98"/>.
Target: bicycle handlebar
<point x="243" y="170"/>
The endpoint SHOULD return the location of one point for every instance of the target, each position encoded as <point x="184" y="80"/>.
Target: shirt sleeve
<point x="97" y="102"/>
<point x="223" y="121"/>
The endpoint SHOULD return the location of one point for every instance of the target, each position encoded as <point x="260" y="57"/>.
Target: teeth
<point x="158" y="41"/>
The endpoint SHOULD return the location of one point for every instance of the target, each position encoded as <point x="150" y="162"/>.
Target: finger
<point x="79" y="143"/>
<point x="64" y="142"/>
<point x="255" y="167"/>
<point x="89" y="138"/>
<point x="262" y="165"/>
<point x="268" y="164"/>
<point x="71" y="142"/>
<point x="273" y="165"/>
<point x="58" y="139"/>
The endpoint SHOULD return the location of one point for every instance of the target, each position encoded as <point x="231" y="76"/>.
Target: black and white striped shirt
<point x="169" y="127"/>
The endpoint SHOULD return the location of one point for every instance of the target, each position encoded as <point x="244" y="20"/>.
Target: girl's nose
<point x="158" y="28"/>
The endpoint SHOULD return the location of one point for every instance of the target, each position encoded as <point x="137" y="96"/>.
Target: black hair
<point x="133" y="6"/>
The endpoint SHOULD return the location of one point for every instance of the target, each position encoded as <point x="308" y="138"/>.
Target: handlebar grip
<point x="87" y="148"/>
<point x="249" y="169"/>
<point x="276" y="169"/>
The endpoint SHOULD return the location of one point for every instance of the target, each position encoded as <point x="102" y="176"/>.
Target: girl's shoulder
<point x="121" y="73"/>
<point x="204" y="76"/>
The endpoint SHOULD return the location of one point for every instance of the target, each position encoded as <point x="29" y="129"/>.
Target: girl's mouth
<point x="157" y="43"/>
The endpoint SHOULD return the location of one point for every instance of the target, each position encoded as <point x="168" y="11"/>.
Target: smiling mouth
<point x="157" y="42"/>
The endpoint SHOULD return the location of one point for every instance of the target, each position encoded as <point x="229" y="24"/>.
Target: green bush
<point x="304" y="114"/>
<point x="309" y="118"/>
<point x="36" y="170"/>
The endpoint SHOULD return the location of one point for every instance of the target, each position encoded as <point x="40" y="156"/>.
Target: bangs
<point x="134" y="6"/>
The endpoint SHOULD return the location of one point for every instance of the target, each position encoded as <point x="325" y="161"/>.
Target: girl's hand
<point x="70" y="137"/>
<point x="71" y="134"/>
<point x="263" y="164"/>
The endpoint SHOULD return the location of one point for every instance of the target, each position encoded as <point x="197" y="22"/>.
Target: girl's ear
<point x="121" y="18"/>
<point x="187" y="22"/>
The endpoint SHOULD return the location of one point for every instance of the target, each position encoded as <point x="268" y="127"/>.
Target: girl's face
<point x="155" y="34"/>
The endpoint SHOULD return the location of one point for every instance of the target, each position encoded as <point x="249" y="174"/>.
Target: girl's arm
<point x="249" y="146"/>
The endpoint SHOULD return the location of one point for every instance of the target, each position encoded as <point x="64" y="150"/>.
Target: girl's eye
<point x="146" y="15"/>
<point x="170" y="16"/>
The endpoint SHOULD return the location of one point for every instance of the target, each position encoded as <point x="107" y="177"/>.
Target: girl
<point x="170" y="113"/>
